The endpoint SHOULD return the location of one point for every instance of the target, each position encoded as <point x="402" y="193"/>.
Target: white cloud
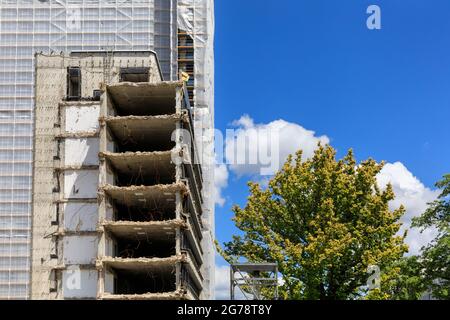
<point x="253" y="149"/>
<point x="244" y="121"/>
<point x="414" y="196"/>
<point x="268" y="144"/>
<point x="263" y="148"/>
<point x="222" y="282"/>
<point x="220" y="182"/>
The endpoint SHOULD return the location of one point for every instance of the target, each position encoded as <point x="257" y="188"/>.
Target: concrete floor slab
<point x="158" y="194"/>
<point x="144" y="230"/>
<point x="133" y="131"/>
<point x="144" y="164"/>
<point x="144" y="98"/>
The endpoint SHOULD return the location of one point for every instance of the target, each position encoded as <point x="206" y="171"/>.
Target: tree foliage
<point x="324" y="221"/>
<point x="435" y="258"/>
<point x="403" y="280"/>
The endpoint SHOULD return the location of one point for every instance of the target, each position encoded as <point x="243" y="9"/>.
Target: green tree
<point x="324" y="222"/>
<point x="404" y="280"/>
<point x="435" y="258"/>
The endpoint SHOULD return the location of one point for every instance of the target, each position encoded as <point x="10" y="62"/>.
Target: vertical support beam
<point x="178" y="205"/>
<point x="178" y="146"/>
<point x="178" y="276"/>
<point x="101" y="196"/>
<point x="178" y="99"/>
<point x="178" y="209"/>
<point x="101" y="283"/>
<point x="276" y="284"/>
<point x="231" y="283"/>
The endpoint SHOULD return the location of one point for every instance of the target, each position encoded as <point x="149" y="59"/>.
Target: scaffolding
<point x="195" y="27"/>
<point x="254" y="280"/>
<point x="30" y="26"/>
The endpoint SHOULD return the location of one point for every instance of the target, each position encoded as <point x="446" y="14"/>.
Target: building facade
<point x="117" y="185"/>
<point x="180" y="32"/>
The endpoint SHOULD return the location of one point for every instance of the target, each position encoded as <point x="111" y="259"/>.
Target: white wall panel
<point x="79" y="152"/>
<point x="80" y="216"/>
<point x="82" y="119"/>
<point x="80" y="249"/>
<point x="80" y="184"/>
<point x="109" y="282"/>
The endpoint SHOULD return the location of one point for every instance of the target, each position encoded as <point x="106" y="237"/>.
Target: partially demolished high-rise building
<point x="104" y="32"/>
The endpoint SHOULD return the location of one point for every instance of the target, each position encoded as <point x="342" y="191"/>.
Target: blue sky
<point x="385" y="93"/>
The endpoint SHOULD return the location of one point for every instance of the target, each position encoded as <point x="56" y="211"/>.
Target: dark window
<point x="73" y="83"/>
<point x="96" y="95"/>
<point x="134" y="74"/>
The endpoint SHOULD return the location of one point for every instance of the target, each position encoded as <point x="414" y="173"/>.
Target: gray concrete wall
<point x="65" y="172"/>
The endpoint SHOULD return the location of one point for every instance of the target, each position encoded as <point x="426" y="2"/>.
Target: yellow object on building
<point x="184" y="76"/>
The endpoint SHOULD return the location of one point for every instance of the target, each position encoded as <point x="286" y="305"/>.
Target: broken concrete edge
<point x="105" y="261"/>
<point x="87" y="134"/>
<point x="78" y="103"/>
<point x="149" y="154"/>
<point x="159" y="187"/>
<point x="159" y="84"/>
<point x="80" y="200"/>
<point x="83" y="167"/>
<point x="167" y="223"/>
<point x="176" y="117"/>
<point x="175" y="295"/>
<point x="61" y="267"/>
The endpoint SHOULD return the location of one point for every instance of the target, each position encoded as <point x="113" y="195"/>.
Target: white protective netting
<point x="196" y="17"/>
<point x="29" y="26"/>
